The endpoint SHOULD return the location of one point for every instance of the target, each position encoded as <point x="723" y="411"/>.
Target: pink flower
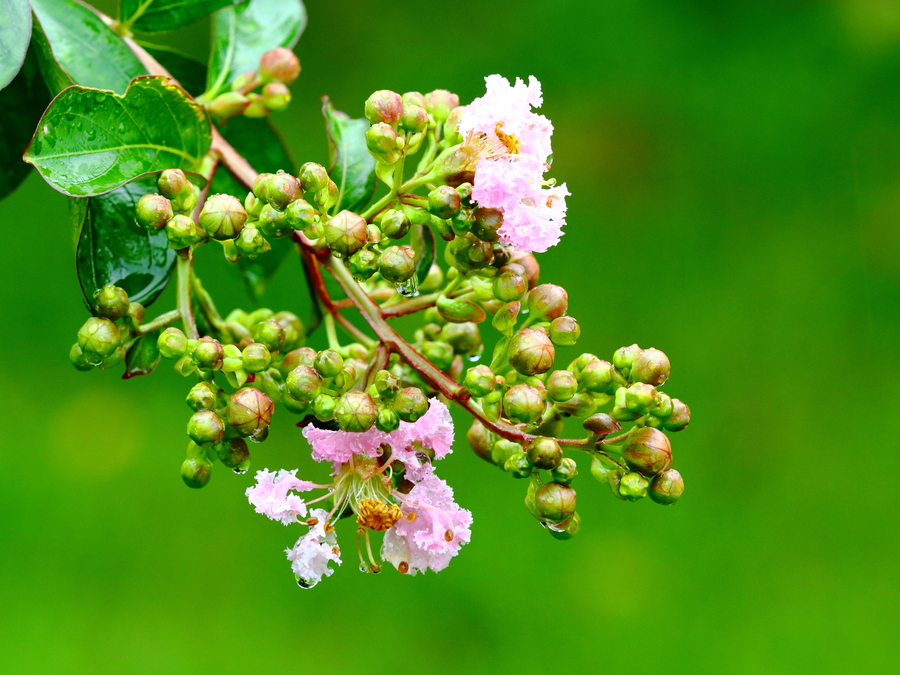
<point x="512" y="181"/>
<point x="270" y="495"/>
<point x="439" y="527"/>
<point x="433" y="430"/>
<point x="313" y="551"/>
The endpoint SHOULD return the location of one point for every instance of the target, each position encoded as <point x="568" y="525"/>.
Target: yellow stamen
<point x="376" y="515"/>
<point x="511" y="142"/>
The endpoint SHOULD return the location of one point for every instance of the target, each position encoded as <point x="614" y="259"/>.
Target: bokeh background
<point x="735" y="182"/>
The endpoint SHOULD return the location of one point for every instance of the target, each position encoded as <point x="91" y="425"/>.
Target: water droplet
<point x="363" y="568"/>
<point x="239" y="471"/>
<point x="280" y="172"/>
<point x="337" y="254"/>
<point x="476" y="355"/>
<point x="408" y="288"/>
<point x="306" y="583"/>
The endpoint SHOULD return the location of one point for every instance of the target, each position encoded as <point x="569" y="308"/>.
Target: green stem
<point x="162" y="321"/>
<point x="333" y="342"/>
<point x="379" y="206"/>
<point x="183" y="268"/>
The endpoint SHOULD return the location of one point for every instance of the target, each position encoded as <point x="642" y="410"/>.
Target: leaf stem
<point x="183" y="267"/>
<point x="162" y="321"/>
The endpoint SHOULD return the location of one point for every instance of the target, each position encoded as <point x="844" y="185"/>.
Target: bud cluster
<point x="105" y="340"/>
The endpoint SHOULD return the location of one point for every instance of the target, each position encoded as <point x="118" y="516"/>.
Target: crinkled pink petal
<point x="313" y="551"/>
<point x="535" y="223"/>
<point x="270" y="496"/>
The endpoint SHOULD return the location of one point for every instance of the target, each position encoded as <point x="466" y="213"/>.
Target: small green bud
<point x="329" y="363"/>
<point x="518" y="465"/>
<point x="459" y="310"/>
<point x="601" y="424"/>
<point x="505" y="318"/>
<point x="480" y="381"/>
<point x="633" y="486"/>
<point x="114" y="359"/>
<point x="313" y="177"/>
<point x="253" y="205"/>
<point x="601" y="468"/>
<point x="451" y="126"/>
<point x="545" y="453"/>
<point x="444" y="202"/>
<point x="502" y="450"/>
<point x="208" y="354"/>
<point x="303" y="383"/>
<point x="222" y="217"/>
<point x="303" y="356"/>
<point x="523" y="404"/>
<point x="356" y="411"/>
<point x="439" y="103"/>
<point x="271" y="334"/>
<point x="205" y="427"/>
<point x="235" y="454"/>
<point x="196" y="471"/>
<point x="250" y="411"/>
<point x="300" y="214"/>
<point x="596" y="376"/>
<point x="136" y="312"/>
<point x="651" y="366"/>
<point x="259" y="185"/>
<point x="414" y="118"/>
<point x="255" y="357"/>
<point x="439" y="353"/>
<point x="394" y="224"/>
<point x="98" y="339"/>
<point x="624" y="357"/>
<point x="182" y="232"/>
<point x="387" y="419"/>
<point x="203" y="396"/>
<point x="174" y="185"/>
<point x="580" y="405"/>
<point x="250" y="242"/>
<point x="468" y="253"/>
<point x="566" y="529"/>
<point x="410" y="404"/>
<point x="233" y="360"/>
<point x="111" y="302"/>
<point x="397" y="263"/>
<point x="667" y="487"/>
<point x="273" y="223"/>
<point x="276" y="96"/>
<point x="386" y="384"/>
<point x="624" y="415"/>
<point x="345" y="234"/>
<point x="663" y="406"/>
<point x="531" y="352"/>
<point x="486" y="224"/>
<point x="547" y="301"/>
<point x="679" y="418"/>
<point x="383" y="143"/>
<point x="225" y="106"/>
<point x="564" y="331"/>
<point x="256" y="108"/>
<point x="638" y="397"/>
<point x="281" y="189"/>
<point x="153" y="211"/>
<point x="172" y="343"/>
<point x="480" y="440"/>
<point x="384" y="106"/>
<point x="465" y="338"/>
<point x="561" y="385"/>
<point x="648" y="451"/>
<point x="76" y="356"/>
<point x="509" y="286"/>
<point x="414" y="97"/>
<point x="554" y="502"/>
<point x="566" y="471"/>
<point x="323" y="407"/>
<point x="279" y="65"/>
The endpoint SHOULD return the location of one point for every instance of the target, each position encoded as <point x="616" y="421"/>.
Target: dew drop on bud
<point x="408" y="288"/>
<point x="280" y="171"/>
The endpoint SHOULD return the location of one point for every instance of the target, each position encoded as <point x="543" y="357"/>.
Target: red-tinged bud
<point x="523" y="404"/>
<point x="345" y="234"/>
<point x="397" y="263"/>
<point x="566" y="529"/>
<point x="601" y="424"/>
<point x="153" y="211"/>
<point x="279" y="64"/>
<point x="648" y="451"/>
<point x="547" y="301"/>
<point x="208" y="354"/>
<point x="451" y="126"/>
<point x="564" y="331"/>
<point x="235" y="454"/>
<point x="410" y="404"/>
<point x="414" y="119"/>
<point x="222" y="217"/>
<point x="486" y="223"/>
<point x="174" y="185"/>
<point x="554" y="502"/>
<point x="651" y="366"/>
<point x="480" y="441"/>
<point x="545" y="453"/>
<point x="679" y="418"/>
<point x="667" y="487"/>
<point x="384" y="106"/>
<point x="250" y="411"/>
<point x="561" y="385"/>
<point x="531" y="352"/>
<point x="281" y="189"/>
<point x="276" y="96"/>
<point x="439" y="103"/>
<point x="383" y="143"/>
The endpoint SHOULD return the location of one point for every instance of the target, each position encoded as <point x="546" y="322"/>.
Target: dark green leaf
<point x="15" y="32"/>
<point x="86" y="49"/>
<point x="21" y="105"/>
<point x="112" y="249"/>
<point x="190" y="73"/>
<point x="143" y="356"/>
<point x="422" y="241"/>
<point x="352" y="167"/>
<point x="242" y="34"/>
<point x="91" y="141"/>
<point x="261" y="146"/>
<point x="157" y="16"/>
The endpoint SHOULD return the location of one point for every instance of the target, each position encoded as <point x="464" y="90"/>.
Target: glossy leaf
<point x="143" y="356"/>
<point x="157" y="16"/>
<point x="422" y="241"/>
<point x="86" y="50"/>
<point x="352" y="168"/>
<point x="242" y="34"/>
<point x="89" y="141"/>
<point x="21" y="105"/>
<point x="15" y="33"/>
<point x="190" y="73"/>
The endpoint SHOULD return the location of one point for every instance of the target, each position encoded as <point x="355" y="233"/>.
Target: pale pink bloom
<point x="270" y="496"/>
<point x="433" y="430"/>
<point x="313" y="551"/>
<point x="436" y="533"/>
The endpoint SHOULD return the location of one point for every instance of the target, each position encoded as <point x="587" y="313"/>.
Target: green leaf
<point x="143" y="356"/>
<point x="157" y="16"/>
<point x="21" y="105"/>
<point x="112" y="249"/>
<point x="190" y="73"/>
<point x="15" y="33"/>
<point x="422" y="241"/>
<point x="352" y="168"/>
<point x="90" y="141"/>
<point x="242" y="34"/>
<point x="86" y="49"/>
<point x="263" y="148"/>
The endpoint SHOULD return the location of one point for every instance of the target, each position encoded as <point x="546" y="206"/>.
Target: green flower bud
<point x="468" y="253"/>
<point x="601" y="468"/>
<point x="253" y="205"/>
<point x="203" y="396"/>
<point x="196" y="471"/>
<point x="637" y="397"/>
<point x="648" y="451"/>
<point x="679" y="418"/>
<point x="480" y="381"/>
<point x="394" y="224"/>
<point x="502" y="450"/>
<point x="505" y="318"/>
<point x="111" y="302"/>
<point x="580" y="405"/>
<point x="554" y="502"/>
<point x="518" y="465"/>
<point x="233" y="360"/>
<point x="208" y="354"/>
<point x="281" y="189"/>
<point x="250" y="242"/>
<point x="566" y="471"/>
<point x="439" y="103"/>
<point x="114" y="359"/>
<point x="601" y="424"/>
<point x="414" y="97"/>
<point x="386" y="384"/>
<point x="298" y="357"/>
<point x="624" y="415"/>
<point x="410" y="404"/>
<point x="633" y="486"/>
<point x="384" y="107"/>
<point x="136" y="312"/>
<point x="313" y="177"/>
<point x="561" y="385"/>
<point x="329" y="363"/>
<point x="486" y="223"/>
<point x="273" y="223"/>
<point x="172" y="343"/>
<point x="414" y="118"/>
<point x="205" y="427"/>
<point x="299" y="213"/>
<point x="545" y="453"/>
<point x="547" y="301"/>
<point x="564" y="331"/>
<point x="259" y="185"/>
<point x="225" y="106"/>
<point x="566" y="529"/>
<point x="444" y="202"/>
<point x="76" y="356"/>
<point x="461" y="223"/>
<point x="439" y="353"/>
<point x="465" y="338"/>
<point x="624" y="357"/>
<point x="250" y="411"/>
<point x="182" y="232"/>
<point x="663" y="406"/>
<point x="222" y="217"/>
<point x="397" y="263"/>
<point x="596" y="376"/>
<point x="280" y="65"/>
<point x="459" y="310"/>
<point x="303" y="383"/>
<point x="651" y="366"/>
<point x="667" y="487"/>
<point x="531" y="352"/>
<point x="235" y="454"/>
<point x="480" y="441"/>
<point x="383" y="143"/>
<point x="98" y="339"/>
<point x="509" y="286"/>
<point x="153" y="211"/>
<point x="255" y="357"/>
<point x="356" y="411"/>
<point x="271" y="334"/>
<point x="323" y="407"/>
<point x="174" y="185"/>
<point x="387" y="419"/>
<point x="523" y="404"/>
<point x="451" y="126"/>
<point x="276" y="96"/>
<point x="345" y="234"/>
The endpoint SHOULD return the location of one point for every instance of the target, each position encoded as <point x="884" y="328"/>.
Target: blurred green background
<point x="735" y="182"/>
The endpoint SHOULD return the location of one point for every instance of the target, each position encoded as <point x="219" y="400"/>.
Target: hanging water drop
<point x="408" y="288"/>
<point x="306" y="583"/>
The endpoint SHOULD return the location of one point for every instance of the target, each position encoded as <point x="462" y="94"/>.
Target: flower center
<point x="511" y="142"/>
<point x="377" y="515"/>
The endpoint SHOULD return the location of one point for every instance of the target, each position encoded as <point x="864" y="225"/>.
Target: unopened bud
<point x="182" y="232"/>
<point x="679" y="418"/>
<point x="271" y="334"/>
<point x="76" y="356"/>
<point x="329" y="363"/>
<point x="174" y="185"/>
<point x="667" y="487"/>
<point x="153" y="211"/>
<point x="523" y="404"/>
<point x="663" y="406"/>
<point x="633" y="486"/>
<point x="345" y="234"/>
<point x="601" y="424"/>
<point x="545" y="453"/>
<point x="225" y="106"/>
<point x="356" y="411"/>
<point x="531" y="352"/>
<point x="235" y="454"/>
<point x="554" y="502"/>
<point x="479" y="440"/>
<point x="386" y="384"/>
<point x="111" y="302"/>
<point x="564" y="331"/>
<point x="172" y="343"/>
<point x="205" y="427"/>
<point x="502" y="450"/>
<point x="470" y="253"/>
<point x="561" y="385"/>
<point x="596" y="376"/>
<point x="223" y="217"/>
<point x="624" y="357"/>
<point x="250" y="242"/>
<point x="547" y="301"/>
<point x="256" y="357"/>
<point x="465" y="338"/>
<point x="276" y="96"/>
<point x="397" y="263"/>
<point x="250" y="411"/>
<point x="208" y="354"/>
<point x="313" y="177"/>
<point x="451" y="126"/>
<point x="98" y="339"/>
<point x="281" y="189"/>
<point x="651" y="366"/>
<point x="303" y="383"/>
<point x="506" y="316"/>
<point x="444" y="202"/>
<point x="509" y="286"/>
<point x="410" y="404"/>
<point x="414" y="118"/>
<point x="279" y="64"/>
<point x="518" y="465"/>
<point x="203" y="396"/>
<point x="648" y="451"/>
<point x="299" y="213"/>
<point x="486" y="224"/>
<point x="581" y="404"/>
<point x="323" y="407"/>
<point x="384" y="106"/>
<point x="394" y="224"/>
<point x="196" y="472"/>
<point x="638" y="397"/>
<point x="566" y="529"/>
<point x="566" y="471"/>
<point x="383" y="143"/>
<point x="273" y="223"/>
<point x="459" y="310"/>
<point x="439" y="103"/>
<point x="387" y="419"/>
